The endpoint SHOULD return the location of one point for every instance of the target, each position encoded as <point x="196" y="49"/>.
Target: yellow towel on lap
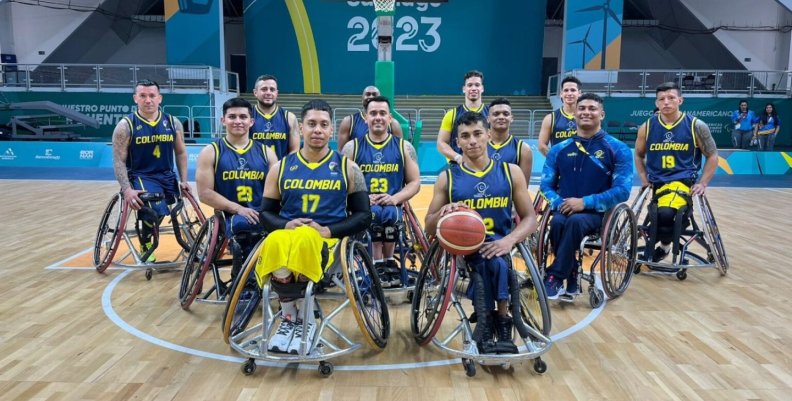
<point x="299" y="250"/>
<point x="673" y="199"/>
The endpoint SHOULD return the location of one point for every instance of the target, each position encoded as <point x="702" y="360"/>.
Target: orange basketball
<point x="461" y="232"/>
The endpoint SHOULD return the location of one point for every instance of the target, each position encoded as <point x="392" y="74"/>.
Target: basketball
<point x="461" y="232"/>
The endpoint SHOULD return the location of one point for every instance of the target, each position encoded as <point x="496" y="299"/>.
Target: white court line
<point x="107" y="307"/>
<point x="58" y="265"/>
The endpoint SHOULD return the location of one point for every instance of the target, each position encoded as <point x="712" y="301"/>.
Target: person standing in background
<point x="767" y="127"/>
<point x="743" y="120"/>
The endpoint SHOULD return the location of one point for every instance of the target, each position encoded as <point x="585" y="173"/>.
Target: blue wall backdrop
<point x="592" y="29"/>
<point x="328" y="46"/>
<point x="192" y="32"/>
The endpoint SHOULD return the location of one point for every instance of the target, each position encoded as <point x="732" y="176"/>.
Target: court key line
<point x="107" y="307"/>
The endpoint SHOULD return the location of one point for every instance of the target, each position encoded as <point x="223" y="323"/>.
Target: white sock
<point x="378" y="261"/>
<point x="665" y="247"/>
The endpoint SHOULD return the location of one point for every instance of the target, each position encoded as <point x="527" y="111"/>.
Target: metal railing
<point x="115" y="77"/>
<point x="698" y="82"/>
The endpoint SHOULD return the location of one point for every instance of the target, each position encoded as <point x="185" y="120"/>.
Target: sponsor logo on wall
<point x="86" y="155"/>
<point x="8" y="155"/>
<point x="48" y="155"/>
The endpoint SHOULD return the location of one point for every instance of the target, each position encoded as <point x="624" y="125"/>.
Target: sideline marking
<point x="107" y="307"/>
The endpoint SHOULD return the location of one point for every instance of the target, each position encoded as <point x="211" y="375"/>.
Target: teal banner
<point x="592" y="34"/>
<point x="192" y="32"/>
<point x="331" y="46"/>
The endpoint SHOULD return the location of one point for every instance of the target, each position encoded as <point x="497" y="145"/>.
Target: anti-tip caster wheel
<point x="681" y="275"/>
<point x="540" y="366"/>
<point x="470" y="367"/>
<point x="325" y="369"/>
<point x="149" y="273"/>
<point x="249" y="367"/>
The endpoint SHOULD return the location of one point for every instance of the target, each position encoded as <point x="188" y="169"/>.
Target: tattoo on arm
<point x="349" y="150"/>
<point x="706" y="142"/>
<point x="410" y="151"/>
<point x="358" y="182"/>
<point x="121" y="136"/>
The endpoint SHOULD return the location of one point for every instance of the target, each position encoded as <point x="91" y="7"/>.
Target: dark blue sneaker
<point x="572" y="285"/>
<point x="553" y="287"/>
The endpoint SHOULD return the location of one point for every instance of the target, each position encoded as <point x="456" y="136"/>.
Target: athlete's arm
<point x="294" y="133"/>
<point x="710" y="151"/>
<point x="640" y="154"/>
<point x="180" y="150"/>
<point x="270" y="206"/>
<point x="544" y="134"/>
<point x="438" y="205"/>
<point x="121" y="137"/>
<point x="349" y="150"/>
<point x="444" y="137"/>
<point x="524" y="208"/>
<point x="357" y="205"/>
<point x="344" y="131"/>
<point x="526" y="162"/>
<point x="205" y="182"/>
<point x="412" y="178"/>
<point x="396" y="129"/>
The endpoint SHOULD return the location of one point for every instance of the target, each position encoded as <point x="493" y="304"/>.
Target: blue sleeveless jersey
<point x="382" y="164"/>
<point x="359" y="127"/>
<point x="272" y="130"/>
<point x="151" y="145"/>
<point x="461" y="109"/>
<point x="563" y="126"/>
<point x="489" y="192"/>
<point x="507" y="152"/>
<point x="314" y="190"/>
<point x="671" y="152"/>
<point x="240" y="173"/>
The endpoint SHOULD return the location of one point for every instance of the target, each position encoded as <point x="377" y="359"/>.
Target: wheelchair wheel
<point x="534" y="307"/>
<point x="543" y="246"/>
<point x="365" y="293"/>
<point x="416" y="236"/>
<point x="432" y="294"/>
<point x="712" y="235"/>
<point x="239" y="310"/>
<point x="618" y="252"/>
<point x="111" y="229"/>
<point x="188" y="220"/>
<point x="206" y="247"/>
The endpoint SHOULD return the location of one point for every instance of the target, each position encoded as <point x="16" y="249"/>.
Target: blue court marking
<point x="107" y="307"/>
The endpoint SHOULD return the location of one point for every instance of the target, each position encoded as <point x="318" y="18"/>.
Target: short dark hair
<point x="742" y="101"/>
<point x="473" y="73"/>
<point x="591" y="96"/>
<point x="316" y="104"/>
<point x="147" y="82"/>
<point x="376" y="99"/>
<point x="667" y="86"/>
<point x="266" y="77"/>
<point x="237" y="102"/>
<point x="500" y="100"/>
<point x="573" y="79"/>
<point x="471" y="118"/>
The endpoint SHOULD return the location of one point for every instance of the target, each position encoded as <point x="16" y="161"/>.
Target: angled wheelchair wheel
<point x="242" y="300"/>
<point x="712" y="235"/>
<point x="534" y="307"/>
<point x="187" y="219"/>
<point x="111" y="229"/>
<point x="206" y="247"/>
<point x="618" y="251"/>
<point x="416" y="237"/>
<point x="532" y="242"/>
<point x="543" y="247"/>
<point x="432" y="294"/>
<point x="364" y="290"/>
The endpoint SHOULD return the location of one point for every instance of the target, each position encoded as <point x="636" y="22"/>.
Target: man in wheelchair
<point x="668" y="150"/>
<point x="230" y="178"/>
<point x="583" y="177"/>
<point x="144" y="145"/>
<point x="312" y="199"/>
<point x="390" y="168"/>
<point x="491" y="188"/>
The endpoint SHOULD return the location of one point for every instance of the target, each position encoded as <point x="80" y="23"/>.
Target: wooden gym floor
<point x="73" y="334"/>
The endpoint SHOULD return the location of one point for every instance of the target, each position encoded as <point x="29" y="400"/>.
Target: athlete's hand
<point x="571" y="206"/>
<point x="374" y="199"/>
<point x="132" y="199"/>
<point x="493" y="249"/>
<point x="387" y="200"/>
<point x="185" y="186"/>
<point x="698" y="189"/>
<point x="451" y="207"/>
<point x="323" y="231"/>
<point x="250" y="215"/>
<point x="298" y="222"/>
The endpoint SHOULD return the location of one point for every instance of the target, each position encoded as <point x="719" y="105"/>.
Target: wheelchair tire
<point x="713" y="237"/>
<point x="543" y="246"/>
<point x="365" y="293"/>
<point x="415" y="233"/>
<point x="189" y="219"/>
<point x="206" y="246"/>
<point x="534" y="306"/>
<point x="110" y="231"/>
<point x="236" y="317"/>
<point x="432" y="294"/>
<point x="618" y="250"/>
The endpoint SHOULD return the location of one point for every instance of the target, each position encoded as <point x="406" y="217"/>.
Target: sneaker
<point x="572" y="285"/>
<point x="503" y="328"/>
<point x="280" y="341"/>
<point x="379" y="267"/>
<point x="554" y="288"/>
<point x="392" y="274"/>
<point x="294" y="344"/>
<point x="659" y="254"/>
<point x="145" y="247"/>
<point x="483" y="335"/>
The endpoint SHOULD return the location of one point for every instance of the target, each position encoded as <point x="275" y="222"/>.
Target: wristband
<point x="458" y="158"/>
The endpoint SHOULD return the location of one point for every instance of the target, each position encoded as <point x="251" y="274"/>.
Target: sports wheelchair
<point x="443" y="280"/>
<point x="209" y="254"/>
<point x="185" y="218"/>
<point x="687" y="231"/>
<point x="350" y="281"/>
<point x="616" y="243"/>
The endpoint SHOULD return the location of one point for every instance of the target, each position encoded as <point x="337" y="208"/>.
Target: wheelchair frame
<point x="438" y="286"/>
<point x="205" y="255"/>
<point x="353" y="273"/>
<point x="621" y="237"/>
<point x="707" y="236"/>
<point x="113" y="228"/>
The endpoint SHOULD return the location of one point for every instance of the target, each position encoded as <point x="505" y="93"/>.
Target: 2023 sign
<point x="409" y="34"/>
